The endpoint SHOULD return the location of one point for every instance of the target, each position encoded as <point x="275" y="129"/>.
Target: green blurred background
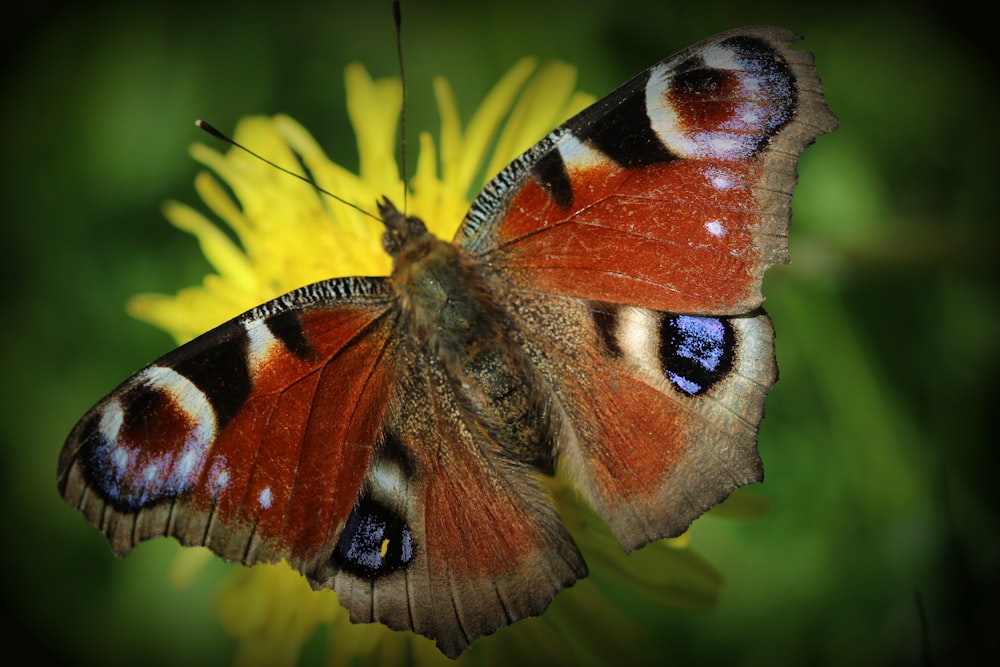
<point x="881" y="546"/>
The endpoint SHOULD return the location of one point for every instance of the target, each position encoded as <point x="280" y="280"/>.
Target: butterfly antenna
<point x="207" y="127"/>
<point x="397" y="17"/>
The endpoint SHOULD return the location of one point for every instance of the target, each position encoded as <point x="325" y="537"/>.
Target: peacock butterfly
<point x="598" y="312"/>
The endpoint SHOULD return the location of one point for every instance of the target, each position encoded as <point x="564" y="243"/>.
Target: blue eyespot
<point x="375" y="541"/>
<point x="696" y="352"/>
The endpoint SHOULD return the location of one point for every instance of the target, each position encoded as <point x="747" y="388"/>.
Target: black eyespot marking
<point x="758" y="55"/>
<point x="699" y="82"/>
<point x="550" y="172"/>
<point x="694" y="62"/>
<point x="216" y="363"/>
<point x="606" y="321"/>
<point x="138" y="403"/>
<point x="287" y="328"/>
<point x="376" y="541"/>
<point x="696" y="352"/>
<point x="625" y="135"/>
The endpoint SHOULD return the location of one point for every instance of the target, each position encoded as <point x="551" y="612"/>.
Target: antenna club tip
<point x="207" y="127"/>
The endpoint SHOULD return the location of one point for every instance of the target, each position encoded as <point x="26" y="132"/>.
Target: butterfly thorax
<point x="450" y="314"/>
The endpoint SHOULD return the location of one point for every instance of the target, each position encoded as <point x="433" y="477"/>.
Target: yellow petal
<point x="373" y="108"/>
<point x="220" y="251"/>
<point x="540" y="108"/>
<point x="484" y="124"/>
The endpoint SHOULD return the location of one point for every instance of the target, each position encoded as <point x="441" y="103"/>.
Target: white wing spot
<point x="187" y="463"/>
<point x="721" y="58"/>
<point x="715" y="228"/>
<point x="578" y="156"/>
<point x="752" y="85"/>
<point x="387" y="479"/>
<point x="119" y="457"/>
<point x="218" y="477"/>
<point x="663" y="118"/>
<point x="261" y="343"/>
<point x="750" y="116"/>
<point x="638" y="335"/>
<point x="265" y="498"/>
<point x="722" y="179"/>
<point x="112" y="418"/>
<point x="721" y="144"/>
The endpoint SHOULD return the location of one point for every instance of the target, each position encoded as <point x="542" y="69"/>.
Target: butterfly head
<point x="403" y="233"/>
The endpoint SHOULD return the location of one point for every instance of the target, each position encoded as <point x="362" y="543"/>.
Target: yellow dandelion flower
<point x="283" y="234"/>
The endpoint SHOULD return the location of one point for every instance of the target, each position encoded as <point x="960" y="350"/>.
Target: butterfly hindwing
<point x="659" y="410"/>
<point x="484" y="547"/>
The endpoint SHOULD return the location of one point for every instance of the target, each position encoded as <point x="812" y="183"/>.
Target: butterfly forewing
<point x="224" y="441"/>
<point x="672" y="192"/>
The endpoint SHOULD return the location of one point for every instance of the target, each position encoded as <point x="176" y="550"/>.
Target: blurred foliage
<point x="881" y="545"/>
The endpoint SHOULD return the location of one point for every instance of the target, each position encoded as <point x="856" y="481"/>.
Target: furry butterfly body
<point x="598" y="313"/>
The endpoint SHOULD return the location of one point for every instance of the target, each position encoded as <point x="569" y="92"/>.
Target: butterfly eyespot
<point x="132" y="473"/>
<point x="696" y="352"/>
<point x="375" y="541"/>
